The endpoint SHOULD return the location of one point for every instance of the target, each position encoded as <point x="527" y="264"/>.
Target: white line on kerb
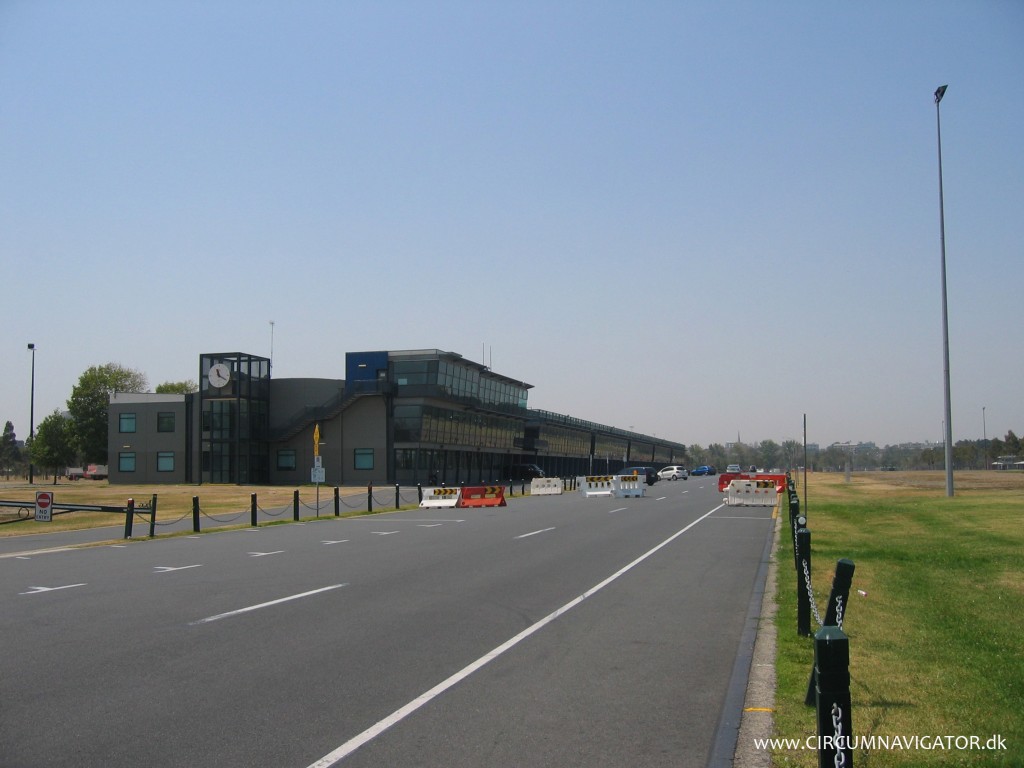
<point x="534" y="533"/>
<point x="208" y="619"/>
<point x="398" y="715"/>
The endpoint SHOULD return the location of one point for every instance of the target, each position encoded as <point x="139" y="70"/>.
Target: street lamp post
<point x="948" y="436"/>
<point x="32" y="413"/>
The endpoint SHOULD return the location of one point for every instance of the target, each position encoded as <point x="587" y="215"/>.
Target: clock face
<point x="219" y="375"/>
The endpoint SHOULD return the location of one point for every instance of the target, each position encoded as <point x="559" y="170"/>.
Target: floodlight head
<point x="940" y="92"/>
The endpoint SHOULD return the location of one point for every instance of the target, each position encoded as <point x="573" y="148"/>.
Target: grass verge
<point x="173" y="501"/>
<point x="934" y="617"/>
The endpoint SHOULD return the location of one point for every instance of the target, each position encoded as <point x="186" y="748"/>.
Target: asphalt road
<point x="556" y="631"/>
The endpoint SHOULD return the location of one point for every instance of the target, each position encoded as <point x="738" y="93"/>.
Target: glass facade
<point x="234" y="440"/>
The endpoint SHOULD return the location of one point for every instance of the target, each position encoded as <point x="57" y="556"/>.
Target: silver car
<point x="674" y="472"/>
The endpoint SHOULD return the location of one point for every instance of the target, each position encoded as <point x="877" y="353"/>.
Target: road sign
<point x="44" y="506"/>
<point x="318" y="475"/>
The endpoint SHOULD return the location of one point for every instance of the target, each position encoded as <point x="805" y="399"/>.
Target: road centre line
<point x="240" y="611"/>
<point x="400" y="714"/>
<point x="534" y="533"/>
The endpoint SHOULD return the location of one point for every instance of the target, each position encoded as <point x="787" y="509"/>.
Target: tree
<point x="10" y="456"/>
<point x="90" y="401"/>
<point x="792" y="454"/>
<point x="770" y="453"/>
<point x="177" y="388"/>
<point x="53" y="445"/>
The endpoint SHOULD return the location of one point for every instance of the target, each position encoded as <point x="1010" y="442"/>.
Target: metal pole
<point x="32" y="413"/>
<point x="948" y="431"/>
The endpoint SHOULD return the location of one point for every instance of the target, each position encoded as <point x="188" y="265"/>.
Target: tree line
<point x="967" y="454"/>
<point x="78" y="436"/>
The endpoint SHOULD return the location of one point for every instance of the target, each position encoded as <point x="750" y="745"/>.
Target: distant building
<point x="412" y="416"/>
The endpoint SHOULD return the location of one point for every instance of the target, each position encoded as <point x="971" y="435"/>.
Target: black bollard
<point x="398" y="502"/>
<point x="369" y="497"/>
<point x="337" y="501"/>
<point x="803" y="583"/>
<point x="832" y="695"/>
<point x="129" y="513"/>
<point x="152" y="518"/>
<point x="252" y="510"/>
<point x="195" y="514"/>
<point x="837" y="601"/>
<point x="295" y="505"/>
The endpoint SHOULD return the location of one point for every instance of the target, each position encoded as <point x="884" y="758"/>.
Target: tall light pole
<point x="32" y="413"/>
<point x="948" y="436"/>
<point x="984" y="436"/>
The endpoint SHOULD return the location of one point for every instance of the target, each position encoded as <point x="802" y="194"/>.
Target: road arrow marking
<point x="169" y="568"/>
<point x="37" y="590"/>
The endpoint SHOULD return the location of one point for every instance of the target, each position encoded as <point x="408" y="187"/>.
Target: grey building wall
<point x="146" y="454"/>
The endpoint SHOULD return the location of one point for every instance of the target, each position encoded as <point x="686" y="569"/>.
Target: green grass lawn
<point x="935" y="616"/>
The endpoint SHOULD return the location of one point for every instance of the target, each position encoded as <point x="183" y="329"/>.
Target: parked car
<point x="649" y="474"/>
<point x="734" y="468"/>
<point x="525" y="471"/>
<point x="673" y="472"/>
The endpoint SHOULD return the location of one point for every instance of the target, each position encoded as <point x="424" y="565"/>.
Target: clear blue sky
<point x="696" y="219"/>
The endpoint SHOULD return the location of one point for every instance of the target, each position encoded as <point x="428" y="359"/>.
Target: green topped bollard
<point x="832" y="697"/>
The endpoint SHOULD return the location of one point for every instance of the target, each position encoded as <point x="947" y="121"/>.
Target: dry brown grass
<point x="907" y="484"/>
<point x="172" y="501"/>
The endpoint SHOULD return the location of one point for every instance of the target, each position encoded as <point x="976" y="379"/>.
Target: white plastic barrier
<point x="546" y="486"/>
<point x="440" y="497"/>
<point x="619" y="486"/>
<point x="752" y="493"/>
<point x="596" y="485"/>
<point x="629" y="486"/>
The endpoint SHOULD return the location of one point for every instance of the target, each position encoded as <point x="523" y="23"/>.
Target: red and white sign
<point x="44" y="506"/>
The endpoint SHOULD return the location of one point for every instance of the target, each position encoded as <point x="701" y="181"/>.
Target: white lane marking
<point x="383" y="533"/>
<point x="430" y="525"/>
<point x="240" y="611"/>
<point x="366" y="519"/>
<point x="339" y="541"/>
<point x="620" y="509"/>
<point x="169" y="568"/>
<point x="264" y="554"/>
<point x="38" y="590"/>
<point x="398" y="715"/>
<point x="661" y="498"/>
<point x="534" y="533"/>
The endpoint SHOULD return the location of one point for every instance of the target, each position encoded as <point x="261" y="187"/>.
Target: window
<point x="126" y="422"/>
<point x="165" y="422"/>
<point x="126" y="462"/>
<point x="286" y="459"/>
<point x="165" y="461"/>
<point x="363" y="458"/>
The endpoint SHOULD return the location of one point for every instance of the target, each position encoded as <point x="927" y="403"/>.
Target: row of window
<point x="287" y="459"/>
<point x="164" y="461"/>
<point x="164" y="422"/>
<point x="459" y="381"/>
